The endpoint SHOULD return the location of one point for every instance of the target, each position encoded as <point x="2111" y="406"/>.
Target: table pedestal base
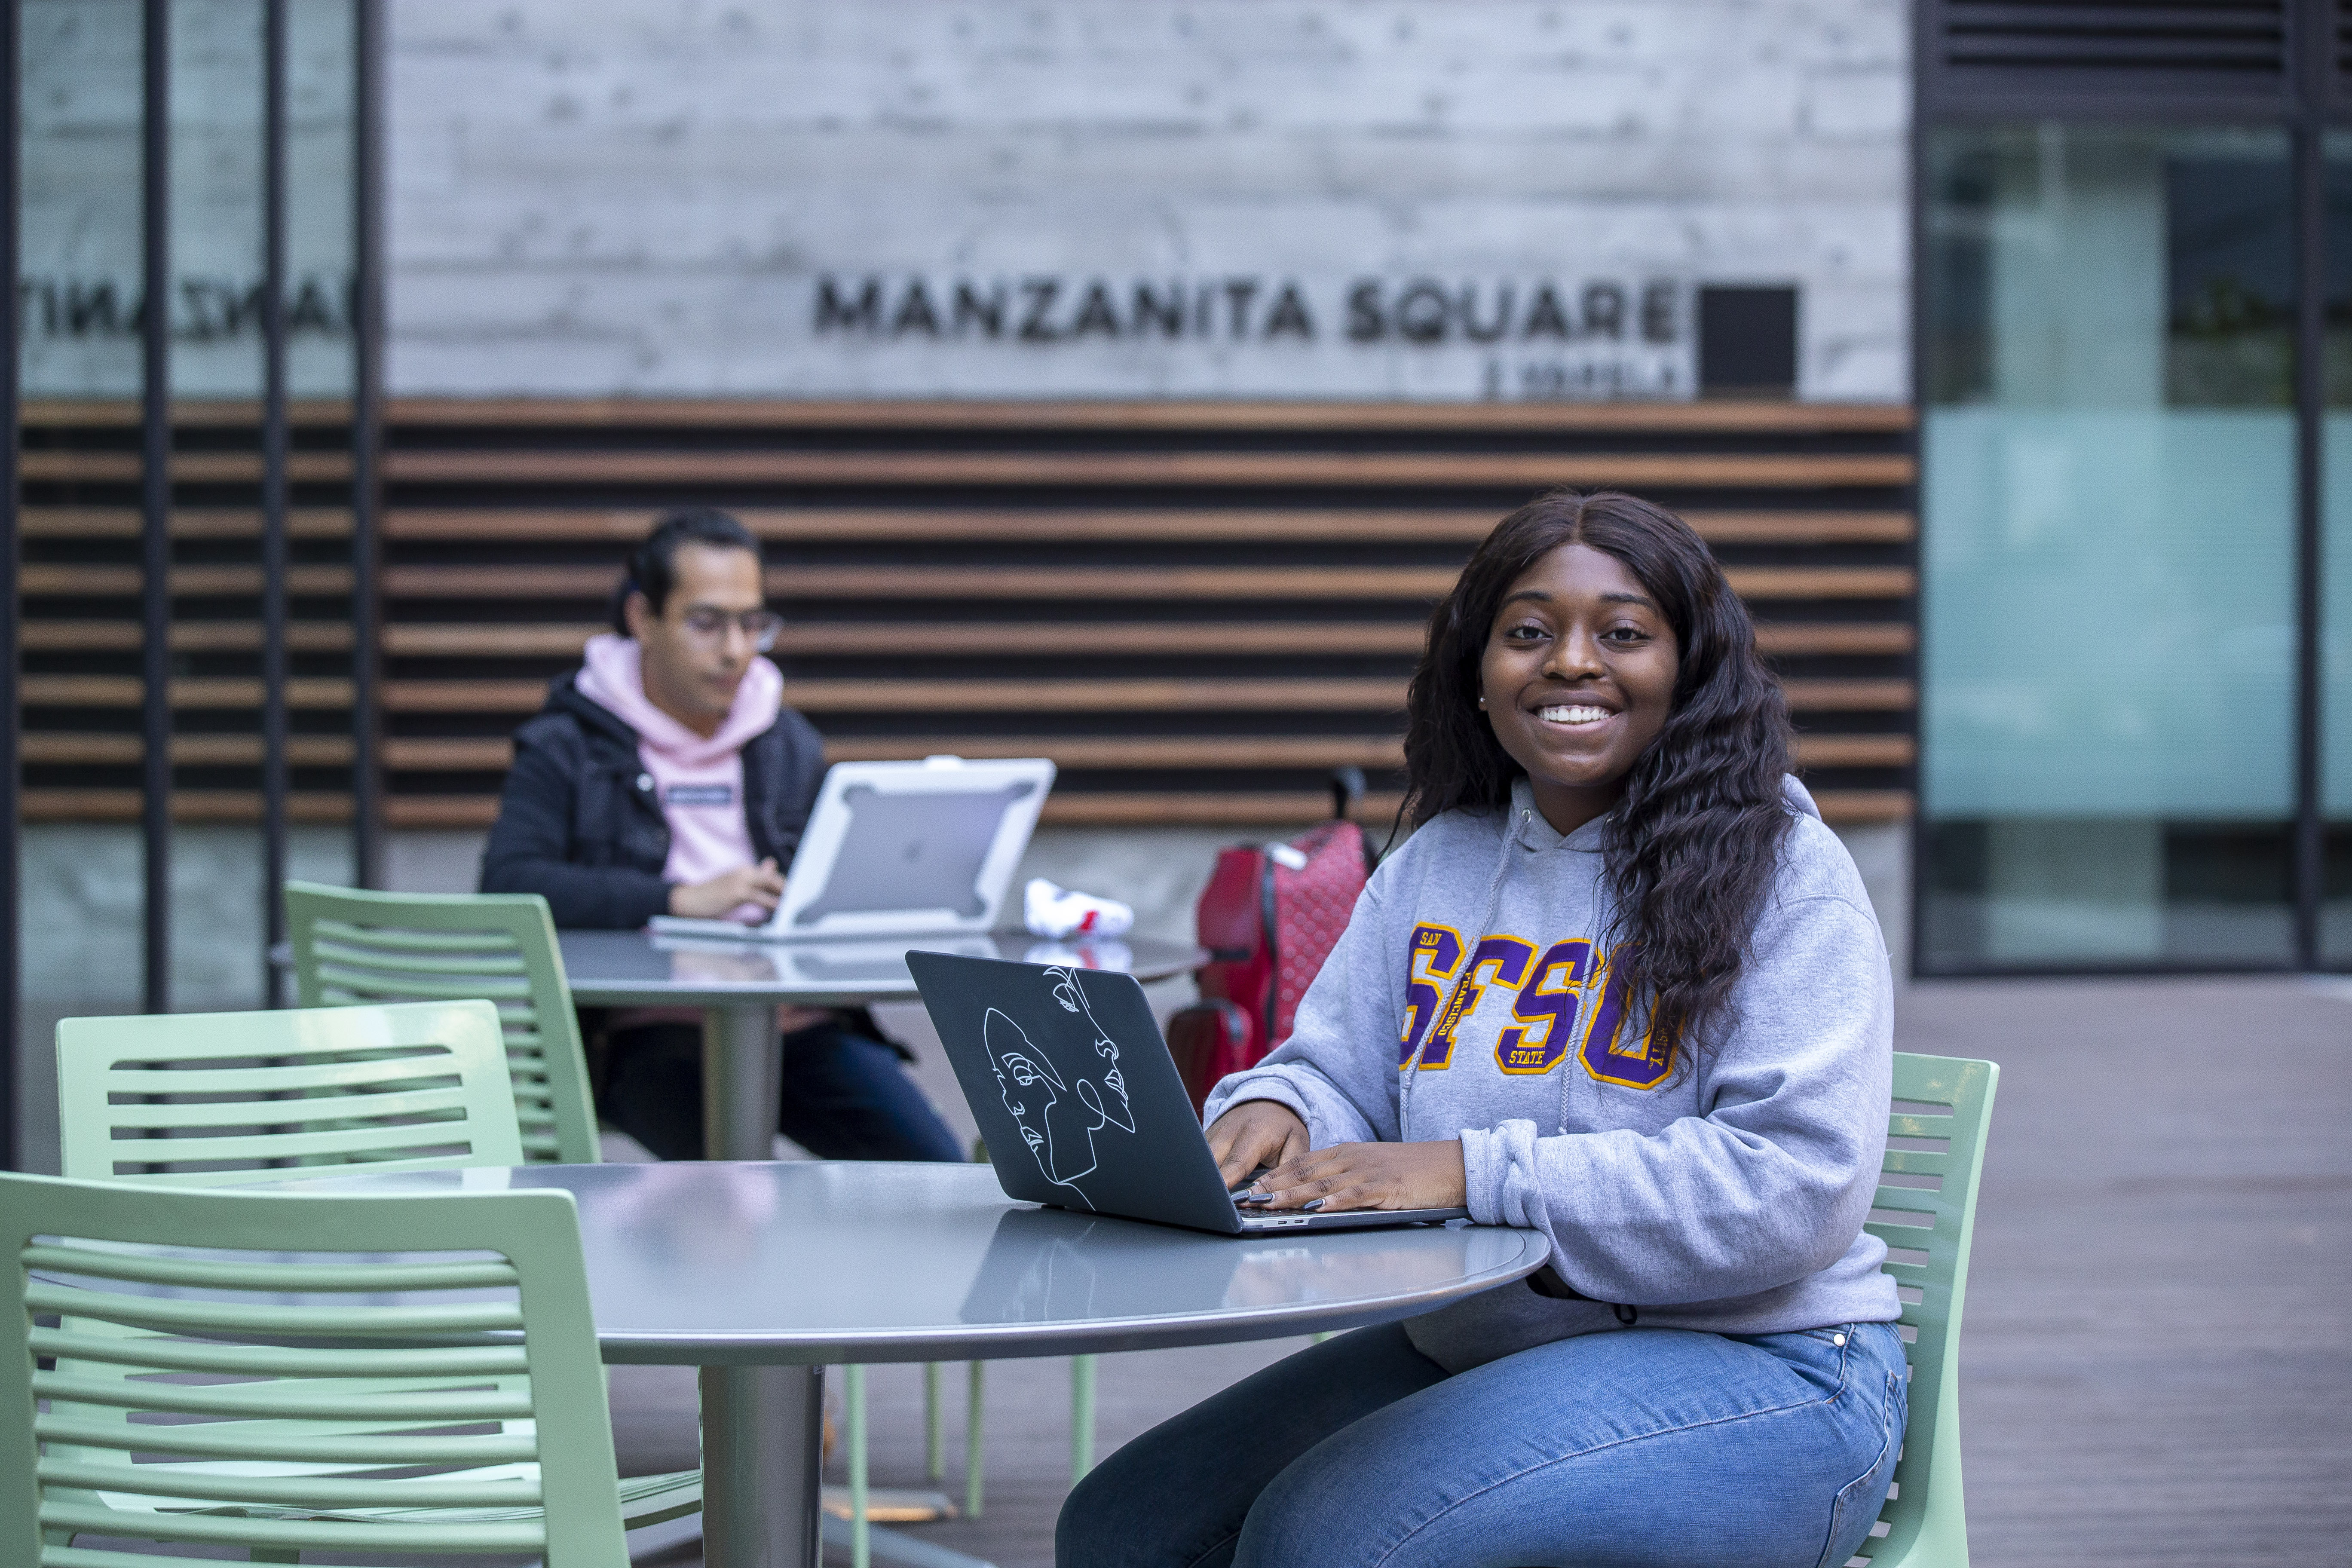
<point x="762" y="1452"/>
<point x="742" y="1074"/>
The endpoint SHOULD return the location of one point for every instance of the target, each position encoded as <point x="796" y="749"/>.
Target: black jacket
<point x="579" y="824"/>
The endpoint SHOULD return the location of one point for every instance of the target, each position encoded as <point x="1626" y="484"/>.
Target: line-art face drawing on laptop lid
<point x="1059" y="1123"/>
<point x="1071" y="1084"/>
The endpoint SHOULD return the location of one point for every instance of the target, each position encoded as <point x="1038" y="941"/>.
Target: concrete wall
<point x="1354" y="198"/>
<point x="82" y="887"/>
<point x="617" y="196"/>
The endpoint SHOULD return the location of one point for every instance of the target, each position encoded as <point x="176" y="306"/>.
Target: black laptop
<point x="1080" y="1104"/>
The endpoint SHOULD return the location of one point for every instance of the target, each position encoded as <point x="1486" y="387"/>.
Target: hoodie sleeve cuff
<point x="1261" y="1086"/>
<point x="1497" y="1165"/>
<point x="643" y="899"/>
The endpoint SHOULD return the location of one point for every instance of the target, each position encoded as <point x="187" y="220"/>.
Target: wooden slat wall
<point x="1197" y="610"/>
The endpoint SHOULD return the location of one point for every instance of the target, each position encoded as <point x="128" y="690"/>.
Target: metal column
<point x="11" y="844"/>
<point x="763" y="1443"/>
<point x="367" y="438"/>
<point x="2309" y="838"/>
<point x="155" y="495"/>
<point x="275" y="440"/>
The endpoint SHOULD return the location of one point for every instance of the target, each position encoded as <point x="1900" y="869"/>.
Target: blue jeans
<point x="844" y="1096"/>
<point x="1645" y="1446"/>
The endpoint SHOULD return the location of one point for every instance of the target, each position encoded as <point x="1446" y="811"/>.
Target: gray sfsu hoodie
<point x="1725" y="1195"/>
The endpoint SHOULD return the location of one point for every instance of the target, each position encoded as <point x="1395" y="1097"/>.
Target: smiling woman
<point x="1576" y="678"/>
<point x="1593" y="648"/>
<point x="1622" y="984"/>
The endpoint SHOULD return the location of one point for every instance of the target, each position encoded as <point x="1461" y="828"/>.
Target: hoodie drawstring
<point x="1486" y="924"/>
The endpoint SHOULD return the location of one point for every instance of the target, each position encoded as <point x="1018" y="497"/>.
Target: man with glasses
<point x="666" y="776"/>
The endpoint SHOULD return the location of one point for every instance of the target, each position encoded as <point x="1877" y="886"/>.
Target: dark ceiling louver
<point x="2150" y="51"/>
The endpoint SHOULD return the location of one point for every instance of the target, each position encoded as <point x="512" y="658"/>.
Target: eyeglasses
<point x="705" y="625"/>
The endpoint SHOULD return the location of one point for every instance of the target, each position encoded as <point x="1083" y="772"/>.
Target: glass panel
<point x="82" y="292"/>
<point x="83" y="298"/>
<point x="2108" y="511"/>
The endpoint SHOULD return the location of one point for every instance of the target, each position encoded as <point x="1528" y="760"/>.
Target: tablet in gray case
<point x="912" y="852"/>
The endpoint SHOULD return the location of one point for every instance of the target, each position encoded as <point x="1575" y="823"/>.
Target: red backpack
<point x="1269" y="917"/>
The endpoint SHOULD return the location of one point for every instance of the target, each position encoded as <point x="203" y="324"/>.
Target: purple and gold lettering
<point x="1433" y="954"/>
<point x="1547" y="1002"/>
<point x="1638" y="1064"/>
<point x="1502" y="961"/>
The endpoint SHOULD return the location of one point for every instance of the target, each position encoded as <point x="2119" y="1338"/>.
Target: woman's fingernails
<point x="1311" y="1205"/>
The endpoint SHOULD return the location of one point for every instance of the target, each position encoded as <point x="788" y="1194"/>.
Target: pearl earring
<point x="1482" y="702"/>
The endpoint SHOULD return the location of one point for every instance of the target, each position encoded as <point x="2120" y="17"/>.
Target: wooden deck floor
<point x="2157" y="1350"/>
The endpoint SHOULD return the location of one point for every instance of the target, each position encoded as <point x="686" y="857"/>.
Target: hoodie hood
<point x="614" y="678"/>
<point x="1529" y="830"/>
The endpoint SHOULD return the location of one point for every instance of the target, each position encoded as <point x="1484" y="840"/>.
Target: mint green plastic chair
<point x="1927" y="1228"/>
<point x="220" y="1099"/>
<point x="286" y="1407"/>
<point x="360" y="947"/>
<point x="410" y="1086"/>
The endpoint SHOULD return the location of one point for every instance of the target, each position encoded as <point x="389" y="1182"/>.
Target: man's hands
<point x="1254" y="1132"/>
<point x="1345" y="1176"/>
<point x="762" y="884"/>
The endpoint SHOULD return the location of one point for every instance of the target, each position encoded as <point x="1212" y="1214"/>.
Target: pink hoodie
<point x="699" y="780"/>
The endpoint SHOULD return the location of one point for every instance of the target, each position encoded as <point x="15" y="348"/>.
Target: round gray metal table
<point x="762" y="1274"/>
<point x="739" y="986"/>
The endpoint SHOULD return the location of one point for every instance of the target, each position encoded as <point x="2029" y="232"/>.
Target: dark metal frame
<point x="155" y="495"/>
<point x="155" y="500"/>
<point x="276" y="440"/>
<point x="2310" y="840"/>
<point x="367" y="441"/>
<point x="2304" y="103"/>
<point x="11" y="842"/>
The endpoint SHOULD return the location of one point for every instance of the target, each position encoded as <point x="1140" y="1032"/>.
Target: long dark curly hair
<point x="1696" y="836"/>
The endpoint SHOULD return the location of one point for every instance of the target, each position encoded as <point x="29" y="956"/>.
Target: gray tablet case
<point x="912" y="852"/>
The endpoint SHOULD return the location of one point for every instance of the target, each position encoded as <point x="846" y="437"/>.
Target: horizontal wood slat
<point x="1726" y="417"/>
<point x="187" y="413"/>
<point x="186" y="637"/>
<point x="1034" y="470"/>
<point x="1106" y="809"/>
<point x="187" y="581"/>
<point x="187" y="467"/>
<point x="492" y="754"/>
<point x="224" y="805"/>
<point x="818" y="584"/>
<point x="876" y="525"/>
<point x="458" y="639"/>
<point x="127" y="690"/>
<point x="1140" y="591"/>
<point x="301" y="750"/>
<point x="623" y="527"/>
<point x="187" y="522"/>
<point x="1169" y="809"/>
<point x="521" y="698"/>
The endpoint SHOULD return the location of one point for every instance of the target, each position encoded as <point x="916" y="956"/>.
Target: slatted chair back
<point x="1926" y="1212"/>
<point x="351" y="946"/>
<point x="284" y="1373"/>
<point x="221" y="1099"/>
